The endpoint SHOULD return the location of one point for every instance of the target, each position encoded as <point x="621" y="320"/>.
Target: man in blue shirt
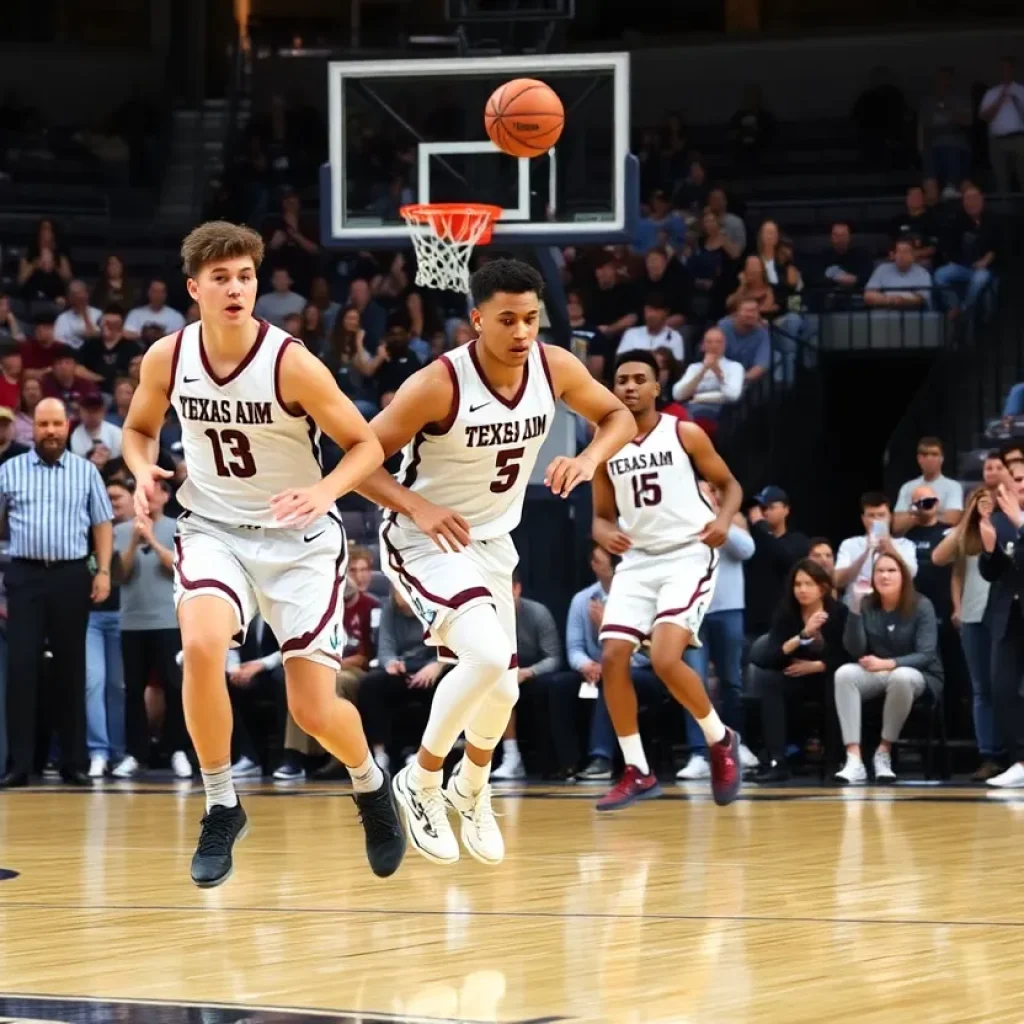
<point x="747" y="340"/>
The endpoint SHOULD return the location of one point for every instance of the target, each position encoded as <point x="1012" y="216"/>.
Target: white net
<point x="444" y="236"/>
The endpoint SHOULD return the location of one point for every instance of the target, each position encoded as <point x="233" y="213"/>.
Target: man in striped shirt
<point x="53" y="501"/>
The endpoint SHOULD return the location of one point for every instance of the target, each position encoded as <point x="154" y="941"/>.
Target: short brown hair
<point x="357" y="553"/>
<point x="219" y="240"/>
<point x="927" y="443"/>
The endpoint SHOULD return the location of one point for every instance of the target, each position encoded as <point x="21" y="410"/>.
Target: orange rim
<point x="454" y="221"/>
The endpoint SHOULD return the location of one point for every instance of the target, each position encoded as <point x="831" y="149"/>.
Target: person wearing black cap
<point x="776" y="548"/>
<point x="63" y="381"/>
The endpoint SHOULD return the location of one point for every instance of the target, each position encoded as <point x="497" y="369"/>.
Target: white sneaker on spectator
<point x="853" y="772"/>
<point x="245" y="768"/>
<point x="426" y="818"/>
<point x="97" y="767"/>
<point x="51" y="771"/>
<point x="883" y="767"/>
<point x="480" y="833"/>
<point x="128" y="768"/>
<point x="696" y="768"/>
<point x="748" y="759"/>
<point x="510" y="768"/>
<point x="1012" y="778"/>
<point x="181" y="765"/>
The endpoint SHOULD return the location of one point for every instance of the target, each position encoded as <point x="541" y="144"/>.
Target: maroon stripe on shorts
<point x="513" y="662"/>
<point x="298" y="643"/>
<point x="628" y="630"/>
<point x="698" y="591"/>
<point x="204" y="584"/>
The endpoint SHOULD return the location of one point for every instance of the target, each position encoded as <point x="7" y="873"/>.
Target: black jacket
<point x="766" y="570"/>
<point x="827" y="647"/>
<point x="1004" y="569"/>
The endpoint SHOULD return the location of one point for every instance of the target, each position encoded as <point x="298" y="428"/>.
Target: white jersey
<point x="478" y="462"/>
<point x="241" y="445"/>
<point x="659" y="503"/>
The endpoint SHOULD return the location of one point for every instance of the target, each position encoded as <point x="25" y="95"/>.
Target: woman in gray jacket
<point x="892" y="635"/>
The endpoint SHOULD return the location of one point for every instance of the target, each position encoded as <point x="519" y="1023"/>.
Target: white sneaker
<point x="510" y="768"/>
<point x="853" y="772"/>
<point x="1012" y="778"/>
<point x="883" y="767"/>
<point x="426" y="818"/>
<point x="748" y="759"/>
<point x="480" y="833"/>
<point x="127" y="769"/>
<point x="181" y="765"/>
<point x="696" y="768"/>
<point x="97" y="767"/>
<point x="245" y="768"/>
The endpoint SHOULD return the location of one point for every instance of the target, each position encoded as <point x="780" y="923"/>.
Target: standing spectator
<point x="113" y="289"/>
<point x="281" y="302"/>
<point x="1003" y="108"/>
<point x="776" y="549"/>
<point x="107" y="357"/>
<point x="94" y="431"/>
<point x="943" y="127"/>
<point x="844" y="269"/>
<point x="930" y="457"/>
<point x="291" y="240"/>
<point x="732" y="226"/>
<point x="892" y="638"/>
<point x="539" y="654"/>
<point x="10" y="373"/>
<point x="801" y="652"/>
<point x="156" y="311"/>
<point x="822" y="553"/>
<point x="46" y="239"/>
<point x="899" y="283"/>
<point x="932" y="580"/>
<point x="54" y="500"/>
<point x="747" y="340"/>
<point x="150" y="639"/>
<point x="655" y="332"/>
<point x="961" y="547"/>
<point x="973" y="250"/>
<point x="721" y="641"/>
<point x="611" y="305"/>
<point x="79" y="321"/>
<point x="9" y="447"/>
<point x="44" y="287"/>
<point x="857" y="555"/>
<point x="712" y="383"/>
<point x="25" y="415"/>
<point x="918" y="223"/>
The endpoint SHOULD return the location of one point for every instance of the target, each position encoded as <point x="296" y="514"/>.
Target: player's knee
<point x="664" y="662"/>
<point x="204" y="651"/>
<point x="311" y="711"/>
<point x="615" y="658"/>
<point x="479" y="641"/>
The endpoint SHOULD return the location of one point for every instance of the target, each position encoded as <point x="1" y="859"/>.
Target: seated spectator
<point x="46" y="239"/>
<point x="291" y="239"/>
<point x="747" y="340"/>
<point x="944" y="126"/>
<point x="844" y="269"/>
<point x="732" y="226"/>
<point x="753" y="287"/>
<point x="660" y="227"/>
<point x="900" y="283"/>
<point x="10" y="328"/>
<point x="585" y="341"/>
<point x="973" y="248"/>
<point x="892" y="637"/>
<point x="311" y="330"/>
<point x="292" y="325"/>
<point x="798" y="655"/>
<point x="930" y="457"/>
<point x="918" y="223"/>
<point x="37" y="352"/>
<point x="655" y="332"/>
<point x="669" y="371"/>
<point x="24" y="414"/>
<point x="107" y="357"/>
<point x="9" y="447"/>
<point x="255" y="675"/>
<point x="394" y="363"/>
<point x="10" y="373"/>
<point x="539" y="654"/>
<point x="692" y="194"/>
<point x="611" y="304"/>
<point x="44" y="286"/>
<point x="94" y="430"/>
<point x="408" y="671"/>
<point x="712" y="383"/>
<point x="156" y="311"/>
<point x="124" y="390"/>
<point x="113" y="289"/>
<point x="345" y="356"/>
<point x="79" y="321"/>
<point x="857" y="555"/>
<point x="275" y="306"/>
<point x="63" y="381"/>
<point x="373" y="318"/>
<point x="665" y="277"/>
<point x="781" y="273"/>
<point x="320" y="296"/>
<point x="707" y="268"/>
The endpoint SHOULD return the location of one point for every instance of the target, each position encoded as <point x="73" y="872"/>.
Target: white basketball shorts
<point x="674" y="587"/>
<point x="439" y="585"/>
<point x="295" y="579"/>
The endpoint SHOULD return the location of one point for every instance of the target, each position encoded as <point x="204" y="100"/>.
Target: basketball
<point x="524" y="117"/>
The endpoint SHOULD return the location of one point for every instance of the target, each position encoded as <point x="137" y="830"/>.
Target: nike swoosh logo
<point x="189" y="380"/>
<point x="309" y="540"/>
<point x="473" y="408"/>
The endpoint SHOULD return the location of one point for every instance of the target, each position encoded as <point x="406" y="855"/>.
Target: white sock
<point x="366" y="777"/>
<point x="633" y="752"/>
<point x="476" y="775"/>
<point x="510" y="748"/>
<point x="712" y="727"/>
<point x="853" y="758"/>
<point x="220" y="789"/>
<point x="422" y="779"/>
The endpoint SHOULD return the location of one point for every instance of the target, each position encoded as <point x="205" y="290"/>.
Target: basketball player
<point x="472" y="425"/>
<point x="259" y="531"/>
<point x="649" y="509"/>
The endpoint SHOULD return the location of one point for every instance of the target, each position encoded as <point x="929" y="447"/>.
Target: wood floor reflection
<point x="793" y="905"/>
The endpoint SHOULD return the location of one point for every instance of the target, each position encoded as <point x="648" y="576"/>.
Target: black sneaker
<point x="598" y="769"/>
<point x="385" y="838"/>
<point x="333" y="771"/>
<point x="221" y="828"/>
<point x="774" y="771"/>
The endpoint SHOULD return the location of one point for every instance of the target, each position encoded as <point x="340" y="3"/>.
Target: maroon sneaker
<point x="631" y="787"/>
<point x="726" y="770"/>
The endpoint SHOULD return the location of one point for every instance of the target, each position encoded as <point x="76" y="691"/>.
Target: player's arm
<point x="605" y="527"/>
<point x="306" y="383"/>
<point x="425" y="398"/>
<point x="613" y="422"/>
<point x="140" y="438"/>
<point x="711" y="466"/>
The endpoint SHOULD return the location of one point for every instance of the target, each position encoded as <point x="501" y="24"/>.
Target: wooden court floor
<point x="792" y="905"/>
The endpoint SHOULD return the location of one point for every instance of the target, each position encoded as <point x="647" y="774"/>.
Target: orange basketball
<point x="524" y="117"/>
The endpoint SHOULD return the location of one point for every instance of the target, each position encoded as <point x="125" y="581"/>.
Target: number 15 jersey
<point x="478" y="462"/>
<point x="241" y="445"/>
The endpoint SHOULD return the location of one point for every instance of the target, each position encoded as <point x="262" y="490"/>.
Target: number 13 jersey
<point x="241" y="445"/>
<point x="478" y="462"/>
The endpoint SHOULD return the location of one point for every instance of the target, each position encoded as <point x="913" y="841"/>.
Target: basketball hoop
<point x="444" y="236"/>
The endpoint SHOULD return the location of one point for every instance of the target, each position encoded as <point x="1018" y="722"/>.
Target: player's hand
<point x="426" y="677"/>
<point x="591" y="671"/>
<point x="298" y="507"/>
<point x="564" y="474"/>
<point x="795" y="669"/>
<point x="715" y="533"/>
<point x="145" y="485"/>
<point x="815" y="623"/>
<point x="100" y="587"/>
<point x="442" y="525"/>
<point x="611" y="538"/>
<point x="395" y="668"/>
